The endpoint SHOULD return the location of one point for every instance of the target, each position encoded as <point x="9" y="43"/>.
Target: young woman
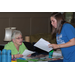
<point x="16" y="46"/>
<point x="65" y="37"/>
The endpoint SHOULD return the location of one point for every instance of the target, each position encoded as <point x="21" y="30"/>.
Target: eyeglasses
<point x="19" y="38"/>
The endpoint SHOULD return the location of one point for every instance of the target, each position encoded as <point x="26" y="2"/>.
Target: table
<point x="40" y="58"/>
<point x="60" y="60"/>
<point x="43" y="58"/>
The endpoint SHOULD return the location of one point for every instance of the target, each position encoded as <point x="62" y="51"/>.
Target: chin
<point x="20" y="44"/>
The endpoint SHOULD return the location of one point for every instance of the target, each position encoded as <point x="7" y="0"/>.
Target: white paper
<point x="26" y="52"/>
<point x="57" y="53"/>
<point x="43" y="44"/>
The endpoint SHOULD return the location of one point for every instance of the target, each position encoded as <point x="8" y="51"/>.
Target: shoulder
<point x="22" y="45"/>
<point x="8" y="45"/>
<point x="67" y="25"/>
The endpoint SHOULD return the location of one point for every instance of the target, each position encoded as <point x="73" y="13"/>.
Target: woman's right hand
<point x="18" y="55"/>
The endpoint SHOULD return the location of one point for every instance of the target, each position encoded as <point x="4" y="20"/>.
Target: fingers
<point x="29" y="55"/>
<point x="19" y="55"/>
<point x="50" y="45"/>
<point x="47" y="41"/>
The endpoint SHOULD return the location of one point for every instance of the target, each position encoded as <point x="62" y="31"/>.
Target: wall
<point x="27" y="22"/>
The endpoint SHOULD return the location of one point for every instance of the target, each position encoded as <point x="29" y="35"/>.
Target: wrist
<point x="58" y="46"/>
<point x="12" y="56"/>
<point x="15" y="56"/>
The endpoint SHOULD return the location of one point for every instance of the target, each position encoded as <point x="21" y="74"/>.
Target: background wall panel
<point x="22" y="24"/>
<point x="27" y="22"/>
<point x="39" y="25"/>
<point x="4" y="22"/>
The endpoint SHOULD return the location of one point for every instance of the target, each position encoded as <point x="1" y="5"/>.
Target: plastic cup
<point x="50" y="54"/>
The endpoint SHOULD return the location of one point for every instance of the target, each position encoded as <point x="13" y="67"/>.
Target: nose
<point x="52" y="23"/>
<point x="21" y="39"/>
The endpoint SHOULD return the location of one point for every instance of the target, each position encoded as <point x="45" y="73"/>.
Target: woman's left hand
<point x="54" y="46"/>
<point x="29" y="55"/>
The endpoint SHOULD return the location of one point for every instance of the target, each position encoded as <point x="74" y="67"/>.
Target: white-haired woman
<point x="16" y="46"/>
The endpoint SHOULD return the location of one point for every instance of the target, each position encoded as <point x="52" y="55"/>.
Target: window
<point x="69" y="17"/>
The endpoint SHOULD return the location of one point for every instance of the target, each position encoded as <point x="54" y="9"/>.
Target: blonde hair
<point x="15" y="34"/>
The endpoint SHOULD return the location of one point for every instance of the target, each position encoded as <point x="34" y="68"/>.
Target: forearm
<point x="17" y="56"/>
<point x="64" y="45"/>
<point x="68" y="44"/>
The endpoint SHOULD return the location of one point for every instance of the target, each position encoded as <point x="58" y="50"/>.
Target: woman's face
<point x="18" y="40"/>
<point x="53" y="22"/>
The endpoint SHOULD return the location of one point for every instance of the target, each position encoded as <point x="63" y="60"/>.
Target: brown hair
<point x="60" y="21"/>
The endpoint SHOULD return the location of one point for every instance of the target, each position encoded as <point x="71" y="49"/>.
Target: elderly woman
<point x="16" y="46"/>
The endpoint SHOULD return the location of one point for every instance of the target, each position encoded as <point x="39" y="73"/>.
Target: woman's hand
<point x="18" y="55"/>
<point x="29" y="55"/>
<point x="54" y="46"/>
<point x="68" y="44"/>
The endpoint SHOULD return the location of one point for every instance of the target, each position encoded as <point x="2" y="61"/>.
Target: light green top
<point x="11" y="46"/>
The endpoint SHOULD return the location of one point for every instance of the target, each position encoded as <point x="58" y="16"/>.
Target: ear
<point x="13" y="40"/>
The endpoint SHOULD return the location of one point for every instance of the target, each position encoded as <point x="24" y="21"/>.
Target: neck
<point x="17" y="46"/>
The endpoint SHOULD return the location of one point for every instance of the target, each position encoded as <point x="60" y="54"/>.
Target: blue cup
<point x="0" y="56"/>
<point x="4" y="55"/>
<point x="8" y="55"/>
